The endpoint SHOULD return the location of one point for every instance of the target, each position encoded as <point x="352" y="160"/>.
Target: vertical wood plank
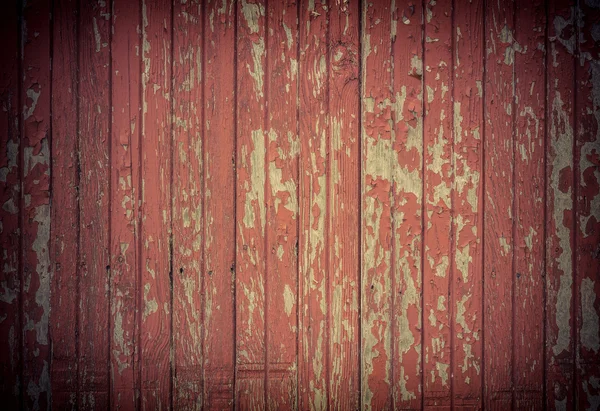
<point x="559" y="204"/>
<point x="124" y="203"/>
<point x="219" y="200"/>
<point x="499" y="211"/>
<point x="530" y="25"/>
<point x="94" y="197"/>
<point x="587" y="197"/>
<point x="156" y="326"/>
<point x="407" y="190"/>
<point x="250" y="206"/>
<point x="65" y="207"/>
<point x="35" y="203"/>
<point x="314" y="367"/>
<point x="282" y="204"/>
<point x="188" y="213"/>
<point x="376" y="180"/>
<point x="10" y="327"/>
<point x="344" y="198"/>
<point x="467" y="244"/>
<point x="438" y="208"/>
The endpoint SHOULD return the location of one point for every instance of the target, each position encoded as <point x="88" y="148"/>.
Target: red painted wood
<point x="64" y="239"/>
<point x="438" y="136"/>
<point x="10" y="326"/>
<point x="587" y="207"/>
<point x="376" y="179"/>
<point x="467" y="226"/>
<point x="232" y="204"/>
<point x="251" y="270"/>
<point x="314" y="134"/>
<point x="344" y="203"/>
<point x="34" y="154"/>
<point x="560" y="232"/>
<point x="155" y="288"/>
<point x="94" y="202"/>
<point x="281" y="208"/>
<point x="528" y="157"/>
<point x="188" y="221"/>
<point x="499" y="227"/>
<point x="219" y="204"/>
<point x="124" y="204"/>
<point x="407" y="191"/>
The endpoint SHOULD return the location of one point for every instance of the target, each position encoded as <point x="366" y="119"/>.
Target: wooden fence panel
<point x="333" y="204"/>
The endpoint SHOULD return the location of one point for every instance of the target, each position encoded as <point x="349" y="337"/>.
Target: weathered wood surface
<point x="300" y="204"/>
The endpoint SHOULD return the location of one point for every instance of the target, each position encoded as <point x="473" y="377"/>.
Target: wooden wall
<point x="300" y="205"/>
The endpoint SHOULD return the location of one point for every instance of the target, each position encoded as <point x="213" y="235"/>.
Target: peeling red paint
<point x="300" y="205"/>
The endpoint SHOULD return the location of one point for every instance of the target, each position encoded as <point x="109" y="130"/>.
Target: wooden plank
<point x="376" y="179"/>
<point x="344" y="200"/>
<point x="94" y="204"/>
<point x="35" y="204"/>
<point x="10" y="327"/>
<point x="219" y="200"/>
<point x="156" y="327"/>
<point x="64" y="241"/>
<point x="250" y="206"/>
<point x="188" y="213"/>
<point x="314" y="371"/>
<point x="467" y="225"/>
<point x="438" y="302"/>
<point x="407" y="116"/>
<point x="499" y="206"/>
<point x="125" y="201"/>
<point x="530" y="24"/>
<point x="281" y="196"/>
<point x="587" y="207"/>
<point x="560" y="232"/>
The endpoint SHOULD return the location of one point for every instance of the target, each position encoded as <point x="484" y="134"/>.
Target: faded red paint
<point x="34" y="213"/>
<point x="300" y="205"/>
<point x="528" y="157"/>
<point x="219" y="207"/>
<point x="125" y="264"/>
<point x="438" y="210"/>
<point x="467" y="228"/>
<point x="498" y="206"/>
<point x="559" y="204"/>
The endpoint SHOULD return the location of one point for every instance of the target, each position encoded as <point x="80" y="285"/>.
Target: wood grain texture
<point x="219" y="203"/>
<point x="260" y="204"/>
<point x="94" y="203"/>
<point x="344" y="197"/>
<point x="407" y="191"/>
<point x="560" y="63"/>
<point x="314" y="370"/>
<point x="10" y="221"/>
<point x="125" y="192"/>
<point x="189" y="269"/>
<point x="467" y="247"/>
<point x="499" y="206"/>
<point x="156" y="287"/>
<point x="35" y="267"/>
<point x="377" y="168"/>
<point x="438" y="136"/>
<point x="64" y="240"/>
<point x="528" y="157"/>
<point x="251" y="252"/>
<point x="281" y="204"/>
